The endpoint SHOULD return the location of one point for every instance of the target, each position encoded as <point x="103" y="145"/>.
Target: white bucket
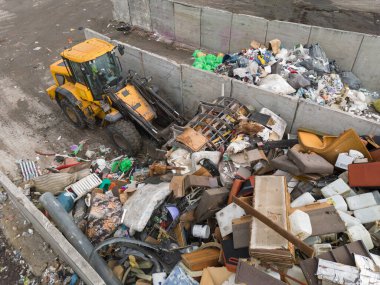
<point x="200" y="231"/>
<point x="159" y="278"/>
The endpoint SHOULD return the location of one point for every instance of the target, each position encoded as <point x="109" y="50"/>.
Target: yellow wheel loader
<point x="91" y="90"/>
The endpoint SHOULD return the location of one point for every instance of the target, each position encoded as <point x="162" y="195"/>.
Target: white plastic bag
<point x="139" y="208"/>
<point x="276" y="84"/>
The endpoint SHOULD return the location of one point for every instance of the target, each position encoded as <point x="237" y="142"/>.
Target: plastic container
<point x="201" y="231"/>
<point x="359" y="232"/>
<point x="363" y="200"/>
<point x="300" y="224"/>
<point x="303" y="200"/>
<point x="66" y="199"/>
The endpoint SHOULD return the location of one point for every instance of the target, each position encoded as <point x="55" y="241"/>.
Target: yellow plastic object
<point x="330" y="146"/>
<point x="87" y="50"/>
<point x="131" y="96"/>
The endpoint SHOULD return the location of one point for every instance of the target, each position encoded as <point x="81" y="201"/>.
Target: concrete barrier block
<point x="166" y="74"/>
<point x="187" y="21"/>
<point x="367" y="64"/>
<point x="131" y="59"/>
<point x="140" y="14"/>
<point x="199" y="85"/>
<point x="162" y="16"/>
<point x="50" y="233"/>
<point x="330" y="121"/>
<point x="289" y="33"/>
<point x="245" y="29"/>
<point x="341" y="46"/>
<point x="251" y="95"/>
<point x="89" y="34"/>
<point x="215" y="29"/>
<point x="121" y="11"/>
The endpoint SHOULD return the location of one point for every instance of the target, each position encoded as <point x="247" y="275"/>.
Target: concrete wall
<point x="326" y="120"/>
<point x="167" y="75"/>
<point x="132" y="58"/>
<point x="290" y="34"/>
<point x="216" y="29"/>
<point x="139" y="11"/>
<point x="121" y="11"/>
<point x="341" y="46"/>
<point x="221" y="31"/>
<point x="199" y="85"/>
<point x="248" y="94"/>
<point x="184" y="86"/>
<point x="367" y="63"/>
<point x="246" y="28"/>
<point x="162" y="16"/>
<point x="187" y="21"/>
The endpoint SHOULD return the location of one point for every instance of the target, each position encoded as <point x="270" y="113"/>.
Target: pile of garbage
<point x="304" y="71"/>
<point x="235" y="200"/>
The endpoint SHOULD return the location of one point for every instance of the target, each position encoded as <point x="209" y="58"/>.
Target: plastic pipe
<point x="75" y="236"/>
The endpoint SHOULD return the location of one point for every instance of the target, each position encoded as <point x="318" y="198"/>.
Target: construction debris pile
<point x="305" y="72"/>
<point x="236" y="200"/>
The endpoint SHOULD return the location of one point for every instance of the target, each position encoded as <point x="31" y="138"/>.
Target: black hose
<point x="136" y="245"/>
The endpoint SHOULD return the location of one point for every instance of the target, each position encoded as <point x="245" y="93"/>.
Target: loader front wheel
<point x="73" y="113"/>
<point x="125" y="136"/>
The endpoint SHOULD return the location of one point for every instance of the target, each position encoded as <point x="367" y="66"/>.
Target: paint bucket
<point x="201" y="231"/>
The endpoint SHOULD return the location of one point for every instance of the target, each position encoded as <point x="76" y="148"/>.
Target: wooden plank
<point x="51" y="234"/>
<point x="309" y="251"/>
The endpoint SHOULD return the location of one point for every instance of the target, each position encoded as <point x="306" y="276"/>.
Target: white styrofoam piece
<point x="359" y="232"/>
<point x="337" y="201"/>
<point x="348" y="220"/>
<point x="300" y="224"/>
<point x="344" y="160"/>
<point x="338" y="187"/>
<point x="303" y="200"/>
<point x="368" y="215"/>
<point x="225" y="217"/>
<point x="361" y="201"/>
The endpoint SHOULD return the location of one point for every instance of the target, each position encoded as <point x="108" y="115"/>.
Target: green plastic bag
<point x="115" y="166"/>
<point x="125" y="165"/>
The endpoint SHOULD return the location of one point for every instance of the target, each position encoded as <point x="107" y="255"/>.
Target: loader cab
<point x="93" y="66"/>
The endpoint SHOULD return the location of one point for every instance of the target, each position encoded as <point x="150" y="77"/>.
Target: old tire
<point x="125" y="136"/>
<point x="73" y="113"/>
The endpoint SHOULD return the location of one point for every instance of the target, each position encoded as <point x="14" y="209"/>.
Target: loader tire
<point x="73" y="113"/>
<point x="125" y="136"/>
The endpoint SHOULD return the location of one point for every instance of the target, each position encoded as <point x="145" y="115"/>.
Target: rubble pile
<point x="235" y="200"/>
<point x="304" y="71"/>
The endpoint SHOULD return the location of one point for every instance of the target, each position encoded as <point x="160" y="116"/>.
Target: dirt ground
<point x="34" y="32"/>
<point x="352" y="15"/>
